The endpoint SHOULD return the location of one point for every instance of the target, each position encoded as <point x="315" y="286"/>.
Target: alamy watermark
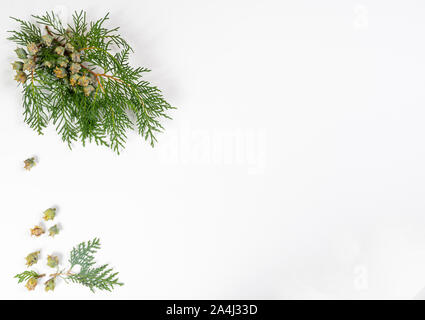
<point x="245" y="148"/>
<point x="361" y="17"/>
<point x="361" y="278"/>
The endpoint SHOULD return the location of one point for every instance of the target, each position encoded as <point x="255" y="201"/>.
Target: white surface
<point x="293" y="168"/>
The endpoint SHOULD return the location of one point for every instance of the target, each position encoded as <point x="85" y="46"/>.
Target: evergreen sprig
<point x="83" y="254"/>
<point x="101" y="277"/>
<point x="26" y="275"/>
<point x="72" y="78"/>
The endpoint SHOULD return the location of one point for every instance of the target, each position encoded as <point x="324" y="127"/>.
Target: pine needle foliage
<point x="115" y="98"/>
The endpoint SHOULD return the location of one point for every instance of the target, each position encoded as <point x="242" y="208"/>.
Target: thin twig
<point x="108" y="76"/>
<point x="48" y="31"/>
<point x="58" y="274"/>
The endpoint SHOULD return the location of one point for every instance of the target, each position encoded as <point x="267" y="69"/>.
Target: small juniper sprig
<point x="71" y="77"/>
<point x="26" y="275"/>
<point x="31" y="277"/>
<point x="101" y="278"/>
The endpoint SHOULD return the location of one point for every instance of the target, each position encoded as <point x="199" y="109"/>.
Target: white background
<point x="293" y="168"/>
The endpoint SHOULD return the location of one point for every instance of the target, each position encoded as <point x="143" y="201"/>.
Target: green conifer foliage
<point x="78" y="77"/>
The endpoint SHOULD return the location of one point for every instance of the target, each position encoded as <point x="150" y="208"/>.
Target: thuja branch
<point x="31" y="277"/>
<point x="97" y="75"/>
<point x="102" y="277"/>
<point x="91" y="276"/>
<point x="66" y="88"/>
